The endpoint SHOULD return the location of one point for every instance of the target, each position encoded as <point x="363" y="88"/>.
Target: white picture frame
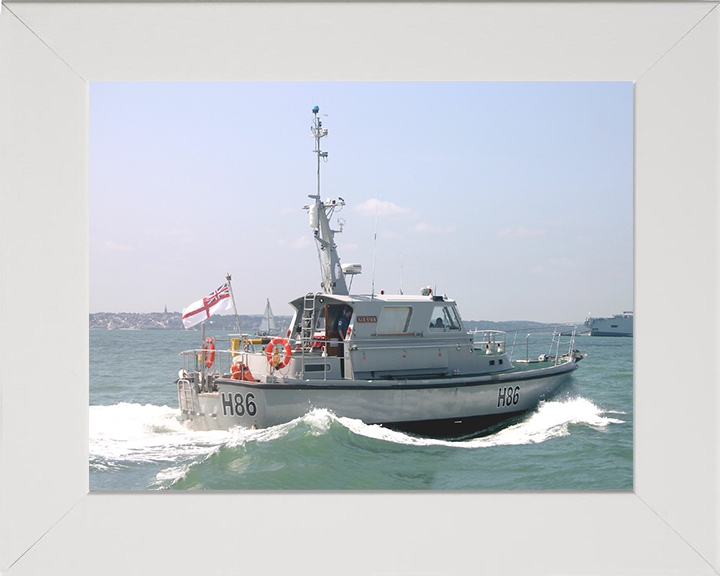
<point x="50" y="523"/>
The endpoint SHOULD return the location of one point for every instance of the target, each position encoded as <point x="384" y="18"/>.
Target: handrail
<point x="414" y="346"/>
<point x="555" y="341"/>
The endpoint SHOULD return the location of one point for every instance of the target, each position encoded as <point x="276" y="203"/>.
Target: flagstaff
<point x="232" y="299"/>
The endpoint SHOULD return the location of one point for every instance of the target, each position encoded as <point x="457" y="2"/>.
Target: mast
<point x="333" y="279"/>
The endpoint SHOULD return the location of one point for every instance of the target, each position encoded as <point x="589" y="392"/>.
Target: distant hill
<point x="173" y="321"/>
<point x="507" y="326"/>
<point x="251" y="323"/>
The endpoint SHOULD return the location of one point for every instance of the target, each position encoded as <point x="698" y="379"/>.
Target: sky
<point x="513" y="198"/>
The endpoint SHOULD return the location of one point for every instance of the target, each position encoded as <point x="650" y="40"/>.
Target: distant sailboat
<point x="111" y="324"/>
<point x="268" y="325"/>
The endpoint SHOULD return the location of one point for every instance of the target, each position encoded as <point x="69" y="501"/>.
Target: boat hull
<point x="618" y="325"/>
<point x="439" y="407"/>
<point x="451" y="427"/>
<point x="619" y="334"/>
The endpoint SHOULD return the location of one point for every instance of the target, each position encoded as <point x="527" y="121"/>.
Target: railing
<point x="537" y="346"/>
<point x="492" y="342"/>
<point x="227" y="348"/>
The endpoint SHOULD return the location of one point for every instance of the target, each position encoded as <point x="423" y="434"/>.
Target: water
<point x="580" y="439"/>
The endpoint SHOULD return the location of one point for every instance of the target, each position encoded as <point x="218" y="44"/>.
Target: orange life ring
<point x="209" y="352"/>
<point x="273" y="358"/>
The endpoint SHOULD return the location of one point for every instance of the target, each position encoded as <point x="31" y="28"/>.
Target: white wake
<point x="548" y="420"/>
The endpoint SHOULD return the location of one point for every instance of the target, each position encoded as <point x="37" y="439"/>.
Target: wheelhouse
<point x="376" y="316"/>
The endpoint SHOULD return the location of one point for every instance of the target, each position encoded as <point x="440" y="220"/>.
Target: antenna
<point x="318" y="132"/>
<point x="377" y="206"/>
<point x="401" y="274"/>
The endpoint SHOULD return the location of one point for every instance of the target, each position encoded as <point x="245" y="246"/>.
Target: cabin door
<point x="333" y="343"/>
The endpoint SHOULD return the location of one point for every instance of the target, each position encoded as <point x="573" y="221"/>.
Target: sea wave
<point x="128" y="434"/>
<point x="134" y="433"/>
<point x="551" y="419"/>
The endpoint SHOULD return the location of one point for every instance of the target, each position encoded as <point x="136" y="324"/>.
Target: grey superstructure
<point x="618" y="325"/>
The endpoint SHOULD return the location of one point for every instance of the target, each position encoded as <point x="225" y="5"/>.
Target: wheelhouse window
<point x="444" y="318"/>
<point x="394" y="320"/>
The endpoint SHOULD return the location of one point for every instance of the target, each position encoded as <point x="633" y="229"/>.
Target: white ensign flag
<point x="215" y="303"/>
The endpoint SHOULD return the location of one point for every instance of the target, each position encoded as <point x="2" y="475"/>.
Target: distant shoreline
<point x="173" y="321"/>
<point x="251" y="323"/>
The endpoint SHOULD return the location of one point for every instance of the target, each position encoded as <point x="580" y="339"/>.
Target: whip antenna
<point x="377" y="206"/>
<point x="401" y="274"/>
